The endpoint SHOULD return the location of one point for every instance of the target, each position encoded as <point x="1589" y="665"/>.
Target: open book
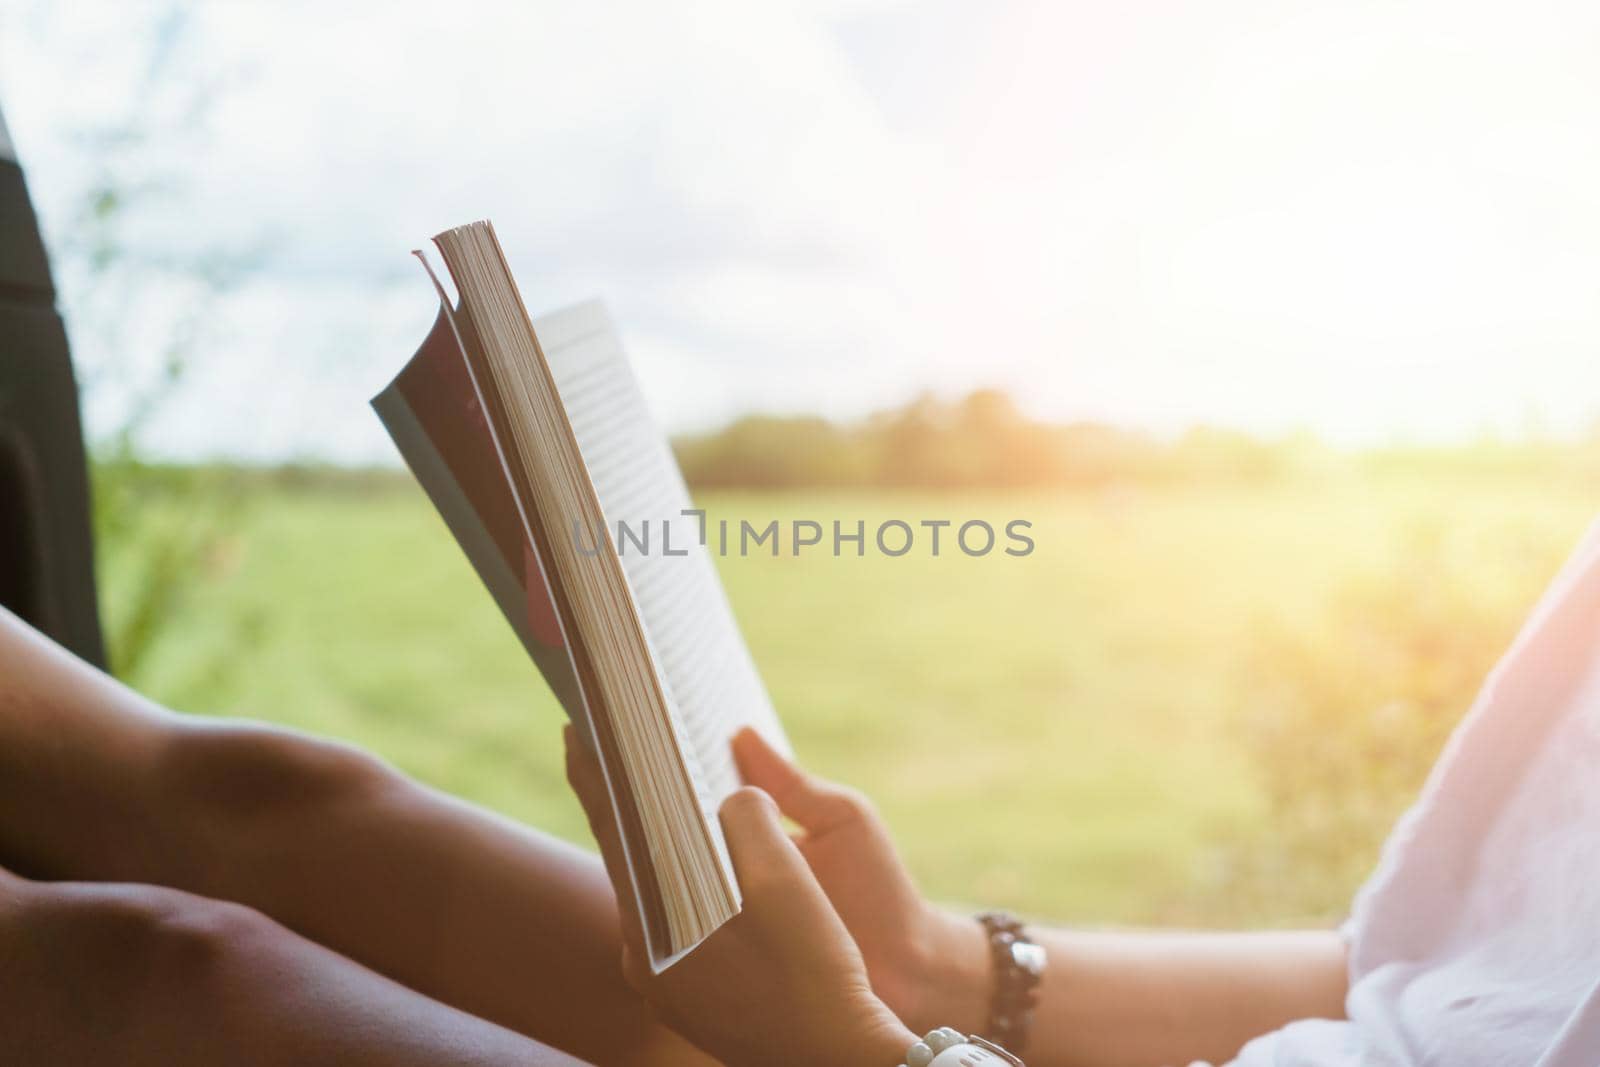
<point x="534" y="443"/>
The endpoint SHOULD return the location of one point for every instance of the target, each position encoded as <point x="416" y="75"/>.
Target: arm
<point x="1140" y="998"/>
<point x="1107" y="1000"/>
<point x="99" y="784"/>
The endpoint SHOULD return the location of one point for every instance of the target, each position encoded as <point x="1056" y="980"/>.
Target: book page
<point x="696" y="642"/>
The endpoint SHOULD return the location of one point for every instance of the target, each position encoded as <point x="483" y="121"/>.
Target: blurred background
<point x="1277" y="320"/>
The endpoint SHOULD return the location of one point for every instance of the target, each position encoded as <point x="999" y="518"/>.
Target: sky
<point x="1372" y="220"/>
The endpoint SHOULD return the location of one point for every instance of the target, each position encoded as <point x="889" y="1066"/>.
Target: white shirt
<point x="1477" y="939"/>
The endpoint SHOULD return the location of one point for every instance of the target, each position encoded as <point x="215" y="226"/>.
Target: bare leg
<point x="98" y="784"/>
<point x="138" y="975"/>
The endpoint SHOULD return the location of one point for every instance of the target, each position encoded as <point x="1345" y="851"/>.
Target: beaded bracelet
<point x="1018" y="967"/>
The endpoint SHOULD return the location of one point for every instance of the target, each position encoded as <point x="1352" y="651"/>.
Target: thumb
<point x="757" y="843"/>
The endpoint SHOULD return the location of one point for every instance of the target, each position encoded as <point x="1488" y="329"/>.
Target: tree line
<point x="984" y="440"/>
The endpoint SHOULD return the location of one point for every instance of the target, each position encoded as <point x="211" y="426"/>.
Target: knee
<point x="196" y="943"/>
<point x="245" y="771"/>
<point x="171" y="939"/>
<point x="93" y="966"/>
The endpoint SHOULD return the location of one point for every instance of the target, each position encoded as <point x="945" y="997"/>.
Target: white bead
<point x="964" y="1055"/>
<point x="919" y="1055"/>
<point x="941" y="1039"/>
<point x="956" y="1036"/>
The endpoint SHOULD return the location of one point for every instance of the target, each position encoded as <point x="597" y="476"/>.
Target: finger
<point x="816" y="804"/>
<point x="588" y="781"/>
<point x="762" y="765"/>
<point x="757" y="842"/>
<point x="583" y="774"/>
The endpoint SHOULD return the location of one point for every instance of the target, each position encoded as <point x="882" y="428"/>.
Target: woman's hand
<point x="930" y="966"/>
<point x="780" y="983"/>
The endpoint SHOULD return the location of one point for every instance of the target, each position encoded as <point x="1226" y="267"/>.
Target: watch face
<point x="1028" y="957"/>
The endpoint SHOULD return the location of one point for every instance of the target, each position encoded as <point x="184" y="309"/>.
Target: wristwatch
<point x="945" y="1047"/>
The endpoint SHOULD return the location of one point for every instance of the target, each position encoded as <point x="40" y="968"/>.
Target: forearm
<point x="1136" y="999"/>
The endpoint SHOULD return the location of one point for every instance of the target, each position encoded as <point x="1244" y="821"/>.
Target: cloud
<point x="1157" y="213"/>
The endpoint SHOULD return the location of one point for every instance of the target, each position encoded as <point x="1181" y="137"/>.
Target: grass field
<point x="1062" y="734"/>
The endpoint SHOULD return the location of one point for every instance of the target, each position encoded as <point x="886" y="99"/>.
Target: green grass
<point x="1059" y="734"/>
